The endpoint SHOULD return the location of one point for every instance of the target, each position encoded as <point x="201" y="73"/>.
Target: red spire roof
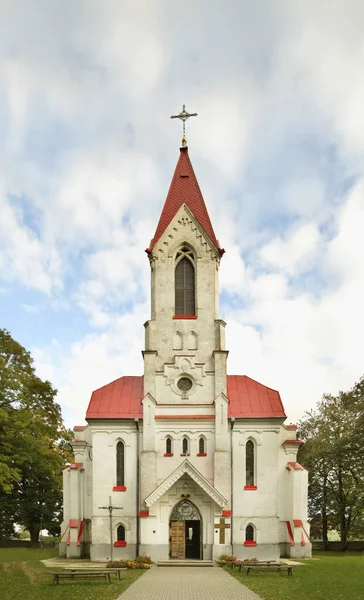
<point x="184" y="189"/>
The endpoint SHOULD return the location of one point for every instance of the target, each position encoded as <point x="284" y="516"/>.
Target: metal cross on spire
<point x="184" y="115"/>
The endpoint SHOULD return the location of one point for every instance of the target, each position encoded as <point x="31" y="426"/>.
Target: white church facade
<point x="185" y="462"/>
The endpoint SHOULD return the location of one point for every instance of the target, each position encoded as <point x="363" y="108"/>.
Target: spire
<point x="184" y="189"/>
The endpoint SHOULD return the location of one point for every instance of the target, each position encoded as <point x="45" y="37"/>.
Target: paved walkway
<point x="187" y="583"/>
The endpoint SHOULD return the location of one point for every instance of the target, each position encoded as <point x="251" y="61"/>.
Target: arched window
<point x="201" y="445"/>
<point x="185" y="446"/>
<point x="120" y="478"/>
<point x="185" y="283"/>
<point x="168" y="445"/>
<point x="249" y="463"/>
<point x="249" y="533"/>
<point x="121" y="533"/>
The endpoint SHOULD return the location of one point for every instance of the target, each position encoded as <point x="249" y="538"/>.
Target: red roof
<point x="249" y="398"/>
<point x="184" y="189"/>
<point x="121" y="399"/>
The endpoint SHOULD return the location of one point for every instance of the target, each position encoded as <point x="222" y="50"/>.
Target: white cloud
<point x="86" y="158"/>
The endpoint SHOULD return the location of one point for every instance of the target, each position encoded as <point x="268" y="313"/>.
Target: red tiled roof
<point x="249" y="398"/>
<point x="184" y="189"/>
<point x="121" y="399"/>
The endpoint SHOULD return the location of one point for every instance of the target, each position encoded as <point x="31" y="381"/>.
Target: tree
<point x="334" y="454"/>
<point x="33" y="439"/>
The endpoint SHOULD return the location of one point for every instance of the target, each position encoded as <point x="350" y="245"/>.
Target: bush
<point x="144" y="560"/>
<point x="226" y="559"/>
<point x="141" y="562"/>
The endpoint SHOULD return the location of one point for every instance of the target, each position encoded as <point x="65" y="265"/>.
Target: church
<point x="185" y="462"/>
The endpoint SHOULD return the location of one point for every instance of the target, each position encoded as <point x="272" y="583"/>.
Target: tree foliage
<point x="33" y="447"/>
<point x="334" y="454"/>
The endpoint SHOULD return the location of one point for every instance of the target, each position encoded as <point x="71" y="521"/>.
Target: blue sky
<point x="87" y="152"/>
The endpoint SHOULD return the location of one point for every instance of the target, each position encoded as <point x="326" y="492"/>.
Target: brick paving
<point x="187" y="583"/>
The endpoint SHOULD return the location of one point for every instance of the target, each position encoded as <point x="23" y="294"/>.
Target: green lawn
<point x="331" y="576"/>
<point x="24" y="577"/>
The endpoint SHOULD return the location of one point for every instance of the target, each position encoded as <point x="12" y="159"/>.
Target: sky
<point x="87" y="153"/>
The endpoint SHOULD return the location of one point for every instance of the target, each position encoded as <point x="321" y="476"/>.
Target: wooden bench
<point x="244" y="563"/>
<point x="116" y="570"/>
<point x="81" y="574"/>
<point x="269" y="567"/>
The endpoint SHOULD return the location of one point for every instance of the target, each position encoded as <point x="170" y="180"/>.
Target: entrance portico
<point x="182" y="513"/>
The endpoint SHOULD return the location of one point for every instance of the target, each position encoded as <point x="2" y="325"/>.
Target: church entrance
<point x="185" y="532"/>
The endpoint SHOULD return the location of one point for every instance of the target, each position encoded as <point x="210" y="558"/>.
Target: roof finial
<point x="184" y="115"/>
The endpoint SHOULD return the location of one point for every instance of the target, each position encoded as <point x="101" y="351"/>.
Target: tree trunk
<point x="34" y="537"/>
<point x="325" y="540"/>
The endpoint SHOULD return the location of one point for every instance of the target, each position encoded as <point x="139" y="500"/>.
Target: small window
<point x="185" y="446"/>
<point x="249" y="463"/>
<point x="168" y="446"/>
<point x="249" y="533"/>
<point x="121" y="533"/>
<point x="120" y="479"/>
<point x="201" y="445"/>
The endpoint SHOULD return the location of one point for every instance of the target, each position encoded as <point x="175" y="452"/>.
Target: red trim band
<point x="168" y="454"/>
<point x="226" y="513"/>
<point x="290" y="534"/>
<point x="250" y="543"/>
<point x="185" y="317"/>
<point x="122" y="544"/>
<point x="144" y="513"/>
<point x="80" y="533"/>
<point x="201" y="454"/>
<point x="119" y="488"/>
<point x="250" y="487"/>
<point x="297" y="523"/>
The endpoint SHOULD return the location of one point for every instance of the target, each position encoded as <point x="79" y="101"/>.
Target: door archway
<point x="185" y="530"/>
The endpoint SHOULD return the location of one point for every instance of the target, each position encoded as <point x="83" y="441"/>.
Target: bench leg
<point x="55" y="579"/>
<point x="289" y="571"/>
<point x="108" y="578"/>
<point x="248" y="571"/>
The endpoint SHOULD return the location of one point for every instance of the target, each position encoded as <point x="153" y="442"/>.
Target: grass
<point x="332" y="576"/>
<point x="24" y="577"/>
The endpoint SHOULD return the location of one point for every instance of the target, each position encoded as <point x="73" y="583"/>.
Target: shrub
<point x="138" y="563"/>
<point x="144" y="560"/>
<point x="227" y="558"/>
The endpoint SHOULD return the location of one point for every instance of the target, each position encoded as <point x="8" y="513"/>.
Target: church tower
<point x="185" y="355"/>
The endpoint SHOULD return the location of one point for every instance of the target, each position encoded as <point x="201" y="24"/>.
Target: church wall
<point x="193" y="430"/>
<point x="105" y="437"/>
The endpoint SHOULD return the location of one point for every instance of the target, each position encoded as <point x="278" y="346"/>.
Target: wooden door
<point x="177" y="538"/>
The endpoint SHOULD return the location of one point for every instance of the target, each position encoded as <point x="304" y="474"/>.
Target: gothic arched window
<point x="249" y="533"/>
<point x="249" y="463"/>
<point x="185" y="446"/>
<point x="184" y="283"/>
<point x="168" y="445"/>
<point x="121" y="533"/>
<point x="120" y="478"/>
<point x="201" y="445"/>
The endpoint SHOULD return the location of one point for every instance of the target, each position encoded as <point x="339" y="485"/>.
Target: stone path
<point x="187" y="583"/>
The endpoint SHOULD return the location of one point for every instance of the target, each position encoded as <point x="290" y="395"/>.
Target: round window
<point x="184" y="384"/>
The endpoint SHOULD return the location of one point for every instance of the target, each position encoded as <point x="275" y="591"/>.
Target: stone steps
<point x="185" y="563"/>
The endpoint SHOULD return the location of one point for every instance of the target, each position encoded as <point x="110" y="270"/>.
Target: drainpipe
<point x="137" y="489"/>
<point x="232" y="420"/>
